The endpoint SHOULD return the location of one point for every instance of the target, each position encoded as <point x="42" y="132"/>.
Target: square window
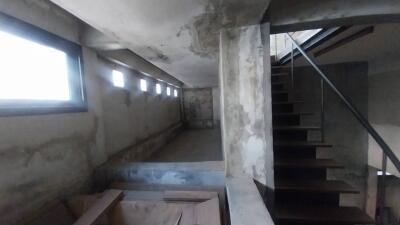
<point x="168" y="91"/>
<point x="40" y="73"/>
<point x="36" y="79"/>
<point x="143" y="85"/>
<point x="158" y="89"/>
<point x="118" y="79"/>
<point x="175" y="93"/>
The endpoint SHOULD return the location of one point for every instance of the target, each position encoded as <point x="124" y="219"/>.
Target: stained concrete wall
<point x="198" y="107"/>
<point x="137" y="122"/>
<point x="349" y="138"/>
<point x="246" y="103"/>
<point x="216" y="106"/>
<point x="45" y="158"/>
<point x="384" y="109"/>
<point x="392" y="197"/>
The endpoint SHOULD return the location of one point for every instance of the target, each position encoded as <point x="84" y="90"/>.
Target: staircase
<point x="303" y="195"/>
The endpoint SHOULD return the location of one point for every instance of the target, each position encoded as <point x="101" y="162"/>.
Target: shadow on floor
<point x="192" y="146"/>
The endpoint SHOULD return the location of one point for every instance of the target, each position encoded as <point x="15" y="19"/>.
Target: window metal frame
<point x="78" y="102"/>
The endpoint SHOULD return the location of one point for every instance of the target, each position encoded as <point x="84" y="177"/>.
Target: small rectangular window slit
<point x="143" y="85"/>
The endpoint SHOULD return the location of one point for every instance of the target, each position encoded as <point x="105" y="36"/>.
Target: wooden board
<point x="207" y="213"/>
<point x="189" y="196"/>
<point x="93" y="215"/>
<point x="146" y="213"/>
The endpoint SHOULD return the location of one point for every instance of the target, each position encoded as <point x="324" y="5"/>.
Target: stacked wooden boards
<point x="147" y="208"/>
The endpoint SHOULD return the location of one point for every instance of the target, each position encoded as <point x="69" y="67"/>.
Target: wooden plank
<point x="189" y="196"/>
<point x="208" y="213"/>
<point x="146" y="213"/>
<point x="92" y="216"/>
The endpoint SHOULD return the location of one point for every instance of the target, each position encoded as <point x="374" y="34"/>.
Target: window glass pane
<point x="31" y="71"/>
<point x="118" y="79"/>
<point x="168" y="91"/>
<point x="175" y="93"/>
<point x="158" y="89"/>
<point x="143" y="85"/>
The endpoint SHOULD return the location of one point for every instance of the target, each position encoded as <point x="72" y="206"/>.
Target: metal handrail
<point x="364" y="122"/>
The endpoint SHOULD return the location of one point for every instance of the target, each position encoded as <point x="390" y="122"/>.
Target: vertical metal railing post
<point x="292" y="66"/>
<point x="322" y="122"/>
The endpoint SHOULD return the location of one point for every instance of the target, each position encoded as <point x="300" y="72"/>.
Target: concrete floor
<point x="192" y="146"/>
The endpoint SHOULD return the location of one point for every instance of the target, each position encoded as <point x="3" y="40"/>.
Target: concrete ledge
<point x="246" y="205"/>
<point x="194" y="174"/>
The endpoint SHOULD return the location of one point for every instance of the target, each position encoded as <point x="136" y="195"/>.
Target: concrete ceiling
<point x="179" y="36"/>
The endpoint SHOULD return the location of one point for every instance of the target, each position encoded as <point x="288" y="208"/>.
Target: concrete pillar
<point x="246" y="117"/>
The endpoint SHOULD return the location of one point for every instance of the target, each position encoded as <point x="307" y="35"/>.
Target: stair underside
<point x="321" y="186"/>
<point x="307" y="163"/>
<point x="321" y="215"/>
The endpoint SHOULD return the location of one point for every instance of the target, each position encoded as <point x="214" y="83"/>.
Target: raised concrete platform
<point x="191" y="174"/>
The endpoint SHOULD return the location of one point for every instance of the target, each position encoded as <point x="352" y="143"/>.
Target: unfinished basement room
<point x="199" y="112"/>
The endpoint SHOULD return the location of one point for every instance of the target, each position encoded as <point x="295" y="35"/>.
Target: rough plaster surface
<point x="198" y="107"/>
<point x="342" y="130"/>
<point x="245" y="94"/>
<point x="383" y="111"/>
<point x="179" y="36"/>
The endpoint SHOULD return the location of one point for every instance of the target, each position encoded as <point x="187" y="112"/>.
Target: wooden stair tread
<point x="287" y="102"/>
<point x="307" y="163"/>
<point x="294" y="114"/>
<point x="322" y="215"/>
<point x="280" y="128"/>
<point x="301" y="144"/>
<point x="279" y="74"/>
<point x="278" y="82"/>
<point x="325" y="186"/>
<point x="285" y="92"/>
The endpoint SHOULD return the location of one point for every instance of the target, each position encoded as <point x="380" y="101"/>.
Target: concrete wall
<point x="198" y="107"/>
<point x="392" y="197"/>
<point x="384" y="109"/>
<point x="383" y="112"/>
<point x="216" y="106"/>
<point x="45" y="158"/>
<point x="349" y="138"/>
<point x="137" y="122"/>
